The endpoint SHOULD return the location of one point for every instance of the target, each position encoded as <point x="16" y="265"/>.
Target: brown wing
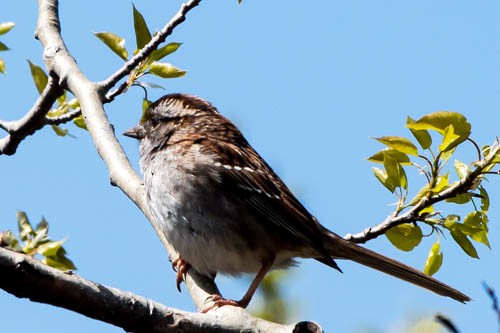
<point x="248" y="177"/>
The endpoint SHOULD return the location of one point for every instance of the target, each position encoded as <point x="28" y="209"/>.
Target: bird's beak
<point x="136" y="132"/>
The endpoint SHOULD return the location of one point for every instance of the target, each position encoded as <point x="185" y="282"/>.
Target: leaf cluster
<point x="4" y="28"/>
<point x="35" y="241"/>
<point x="401" y="153"/>
<point x="151" y="64"/>
<point x="64" y="105"/>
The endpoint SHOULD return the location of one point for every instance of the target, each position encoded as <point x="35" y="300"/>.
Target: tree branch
<point x="62" y="119"/>
<point x="32" y="121"/>
<point x="58" y="60"/>
<point x="25" y="277"/>
<point x="468" y="183"/>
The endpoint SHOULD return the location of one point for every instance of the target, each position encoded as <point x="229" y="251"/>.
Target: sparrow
<point x="224" y="209"/>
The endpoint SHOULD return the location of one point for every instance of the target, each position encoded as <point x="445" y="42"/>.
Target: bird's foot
<point x="216" y="301"/>
<point x="180" y="266"/>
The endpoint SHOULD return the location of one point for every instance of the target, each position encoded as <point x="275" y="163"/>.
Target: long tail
<point x="342" y="249"/>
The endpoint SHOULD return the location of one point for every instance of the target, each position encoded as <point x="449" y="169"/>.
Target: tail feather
<point x="342" y="249"/>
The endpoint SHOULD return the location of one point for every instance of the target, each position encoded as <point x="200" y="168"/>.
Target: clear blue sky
<point x="308" y="84"/>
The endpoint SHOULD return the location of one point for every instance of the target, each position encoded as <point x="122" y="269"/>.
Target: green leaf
<point x="439" y="121"/>
<point x="404" y="236"/>
<point x="459" y="233"/>
<point x="434" y="259"/>
<point x="80" y="122"/>
<point x="9" y="241"/>
<point x="2" y="66"/>
<point x="450" y="139"/>
<point x="164" y="51"/>
<point x="460" y="198"/>
<point x="114" y="42"/>
<point x="398" y="156"/>
<point x="450" y="221"/>
<point x="3" y="47"/>
<point x="6" y="27"/>
<point x="464" y="242"/>
<point x="59" y="262"/>
<point x="399" y="143"/>
<point x="39" y="76"/>
<point x="478" y="227"/>
<point x="145" y="104"/>
<point x="59" y="131"/>
<point x="461" y="168"/>
<point x="485" y="199"/>
<point x="50" y="249"/>
<point x="381" y="175"/>
<point x="165" y="70"/>
<point x="395" y="173"/>
<point x="426" y="210"/>
<point x="42" y="226"/>
<point x="423" y="137"/>
<point x="61" y="99"/>
<point x="25" y="229"/>
<point x="441" y="183"/>
<point x="142" y="34"/>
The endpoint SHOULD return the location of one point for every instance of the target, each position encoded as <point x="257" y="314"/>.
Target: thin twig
<point x="62" y="119"/>
<point x="413" y="214"/>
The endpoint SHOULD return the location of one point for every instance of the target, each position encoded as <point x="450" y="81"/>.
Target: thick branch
<point x="147" y="49"/>
<point x="59" y="61"/>
<point x="32" y="121"/>
<point x="465" y="185"/>
<point x="25" y="277"/>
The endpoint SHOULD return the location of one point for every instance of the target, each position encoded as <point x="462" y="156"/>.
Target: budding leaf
<point x="464" y="242"/>
<point x="39" y="76"/>
<point x="395" y="173"/>
<point x="25" y="229"/>
<point x="460" y="198"/>
<point x="59" y="131"/>
<point x="440" y="121"/>
<point x="423" y="137"/>
<point x="434" y="259"/>
<point x="80" y="122"/>
<point x="404" y="236"/>
<point x="461" y="168"/>
<point x="396" y="155"/>
<point x="485" y="199"/>
<point x="399" y="143"/>
<point x="2" y="66"/>
<point x="114" y="42"/>
<point x="6" y="27"/>
<point x="145" y="104"/>
<point x="164" y="51"/>
<point x="165" y="70"/>
<point x="142" y="34"/>
<point x="3" y="47"/>
<point x="381" y="175"/>
<point x="60" y="262"/>
<point x="450" y="139"/>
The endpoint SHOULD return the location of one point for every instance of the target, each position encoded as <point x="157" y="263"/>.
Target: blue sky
<point x="308" y="85"/>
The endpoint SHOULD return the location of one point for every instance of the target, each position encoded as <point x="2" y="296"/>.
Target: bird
<point x="224" y="209"/>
